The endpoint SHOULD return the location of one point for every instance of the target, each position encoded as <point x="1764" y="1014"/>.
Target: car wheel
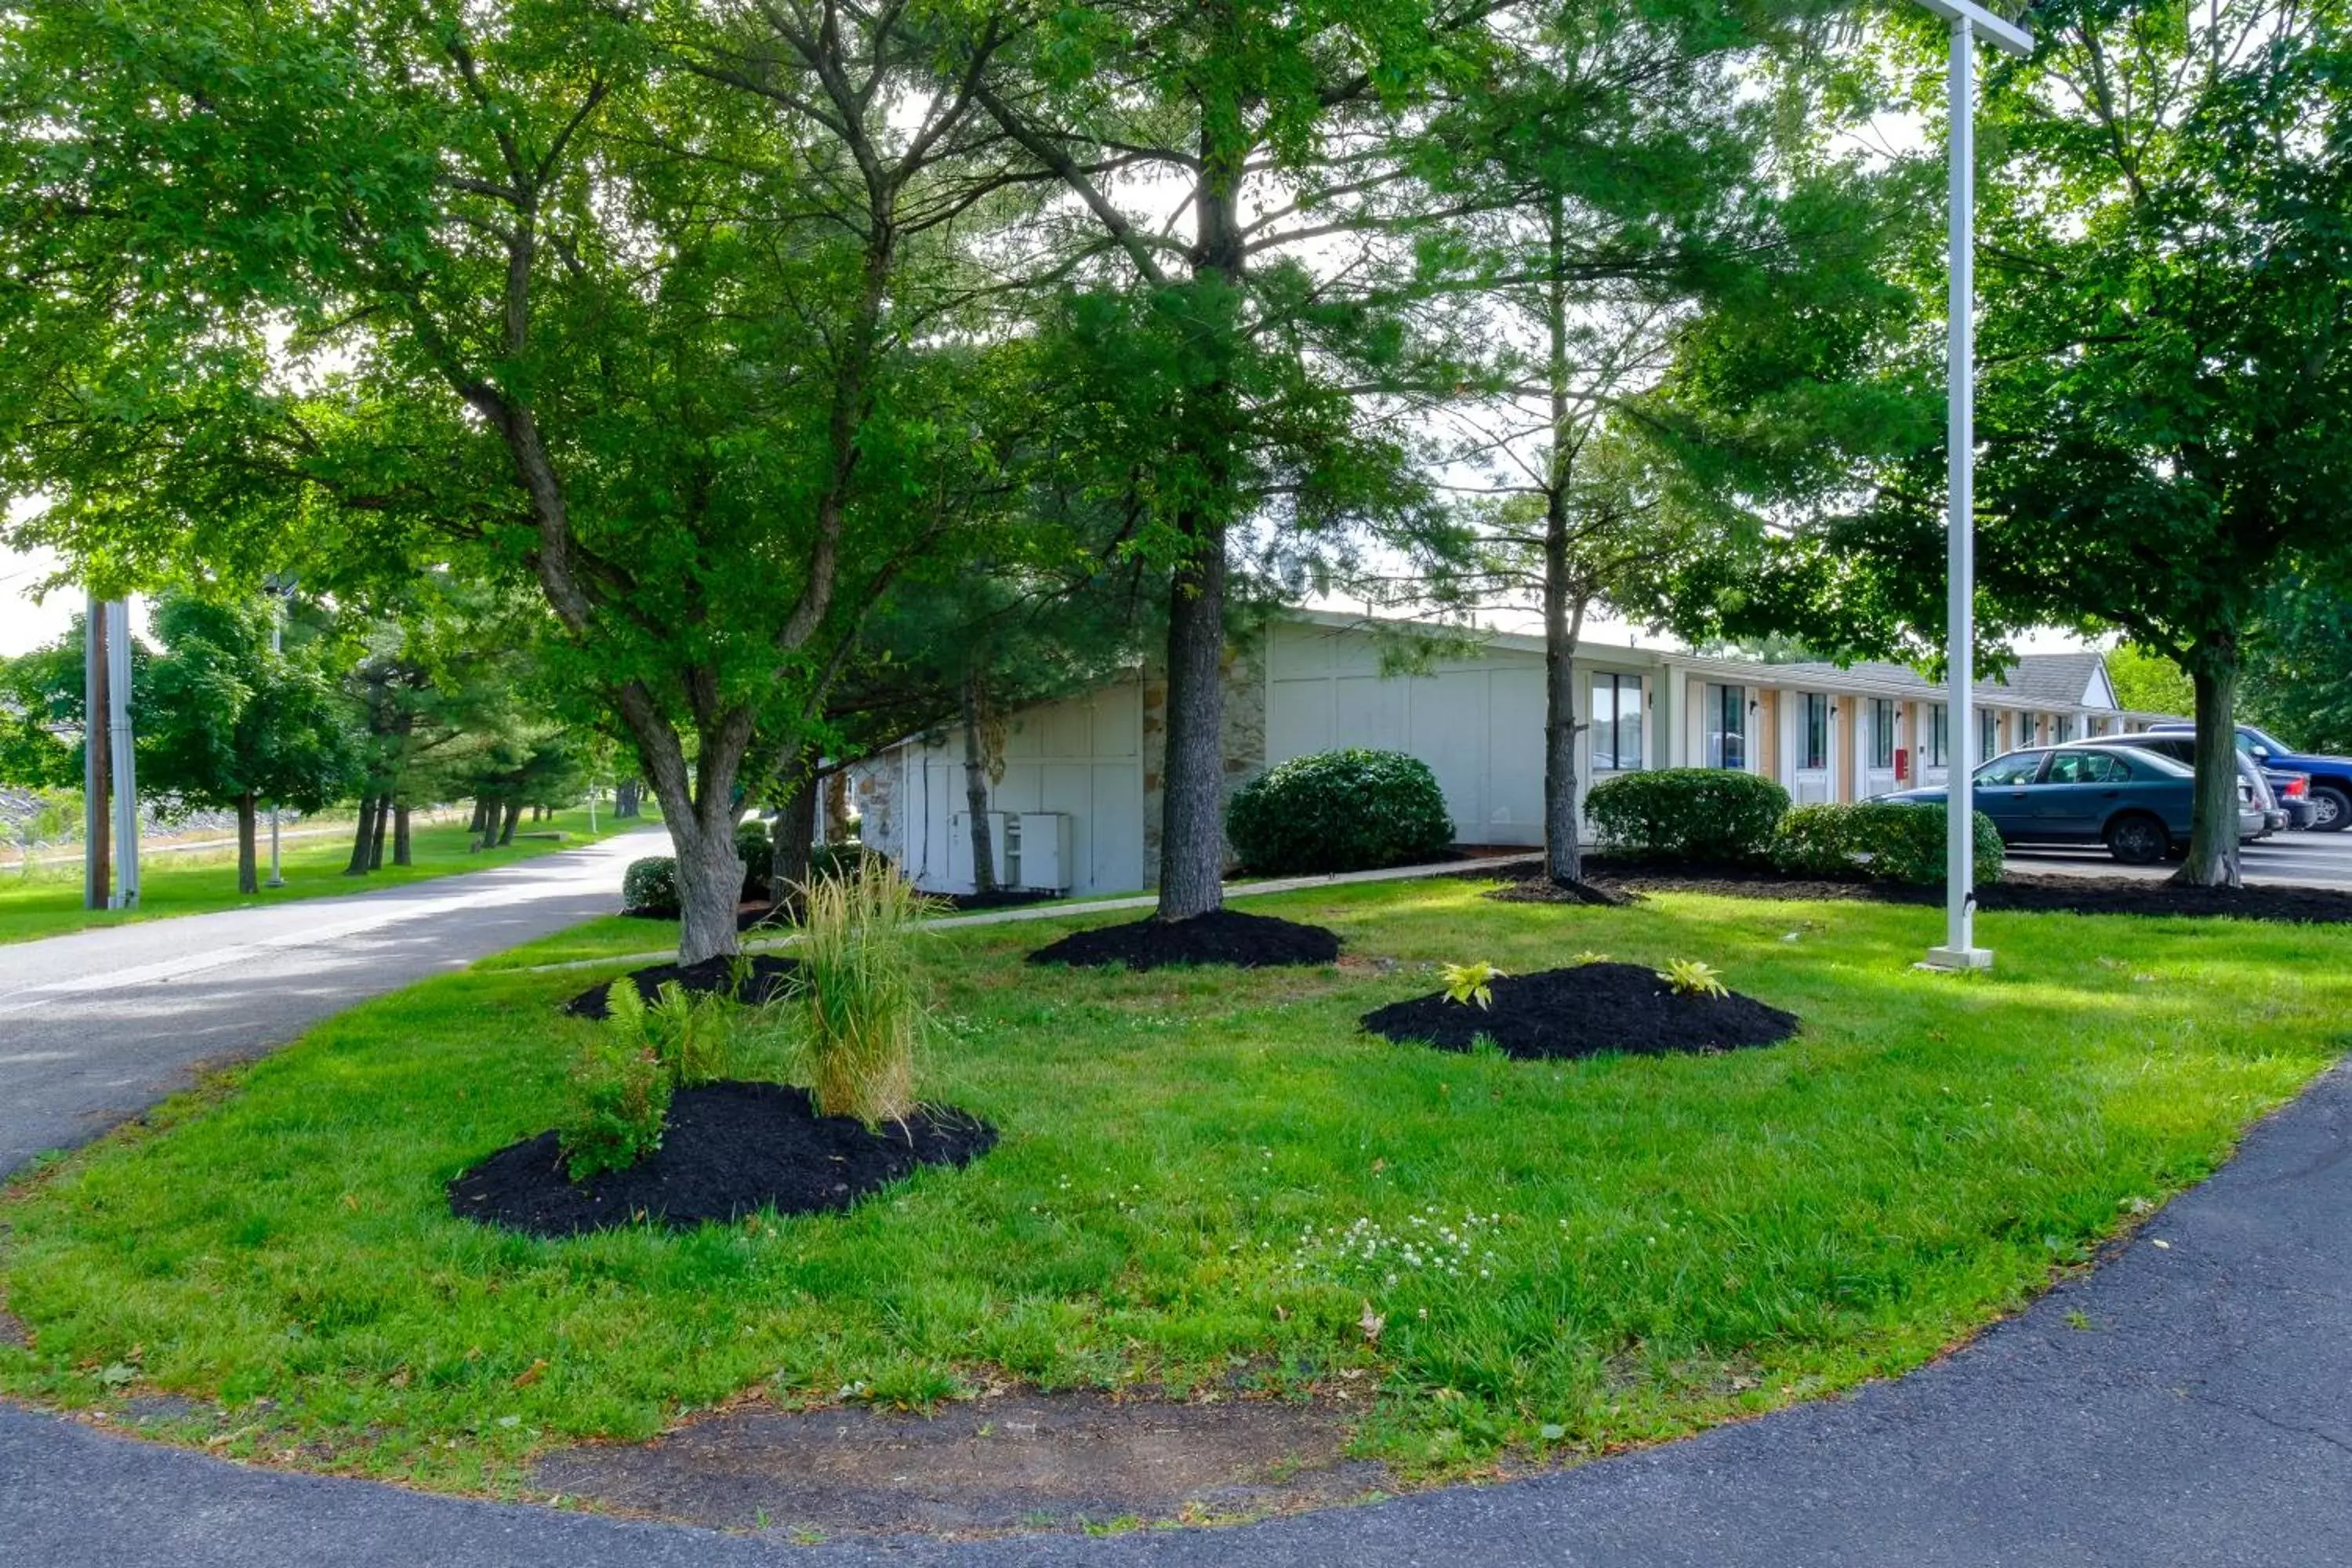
<point x="2137" y="840"/>
<point x="2331" y="809"/>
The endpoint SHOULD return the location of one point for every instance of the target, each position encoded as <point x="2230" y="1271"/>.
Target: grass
<point x="47" y="901"/>
<point x="1207" y="1178"/>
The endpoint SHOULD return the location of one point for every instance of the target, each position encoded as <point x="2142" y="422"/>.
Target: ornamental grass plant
<point x="858" y="1014"/>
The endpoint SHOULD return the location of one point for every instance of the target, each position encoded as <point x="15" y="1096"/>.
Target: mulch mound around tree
<point x="2027" y="893"/>
<point x="1221" y="936"/>
<point x="729" y="1150"/>
<point x="1584" y="1011"/>
<point x="770" y="978"/>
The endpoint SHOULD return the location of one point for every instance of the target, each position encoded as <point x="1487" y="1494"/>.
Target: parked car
<point x="2136" y="802"/>
<point x="2331" y="777"/>
<point x="2281" y="795"/>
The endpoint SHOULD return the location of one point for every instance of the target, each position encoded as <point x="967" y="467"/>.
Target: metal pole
<point x="97" y="883"/>
<point x="126" y="770"/>
<point x="1959" y="950"/>
<point x="277" y="646"/>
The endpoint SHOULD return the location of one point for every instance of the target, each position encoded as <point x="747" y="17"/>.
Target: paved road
<point x="2308" y="860"/>
<point x="96" y="1026"/>
<point x="2197" y="1418"/>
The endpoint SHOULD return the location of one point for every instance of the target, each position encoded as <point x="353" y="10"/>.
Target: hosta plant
<point x="1691" y="977"/>
<point x="1467" y="983"/>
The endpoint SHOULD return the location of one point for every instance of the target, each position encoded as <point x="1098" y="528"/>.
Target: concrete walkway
<point x="2197" y="1417"/>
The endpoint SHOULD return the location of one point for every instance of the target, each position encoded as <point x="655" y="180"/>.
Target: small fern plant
<point x="1468" y="983"/>
<point x="1692" y="977"/>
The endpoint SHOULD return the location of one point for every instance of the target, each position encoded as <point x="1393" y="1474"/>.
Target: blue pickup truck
<point x="2331" y="777"/>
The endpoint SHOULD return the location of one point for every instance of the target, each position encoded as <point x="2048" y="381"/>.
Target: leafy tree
<point x="652" y="310"/>
<point x="2148" y="682"/>
<point x="226" y="723"/>
<point x="1222" y="389"/>
<point x="2299" y="664"/>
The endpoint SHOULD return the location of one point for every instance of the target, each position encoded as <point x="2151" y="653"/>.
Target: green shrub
<point x="1687" y="814"/>
<point x="859" y="1013"/>
<point x="621" y="1092"/>
<point x="650" y="887"/>
<point x="1886" y="840"/>
<point x="757" y="851"/>
<point x="1341" y="811"/>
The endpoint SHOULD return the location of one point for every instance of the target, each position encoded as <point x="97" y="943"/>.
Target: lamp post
<point x="1970" y="21"/>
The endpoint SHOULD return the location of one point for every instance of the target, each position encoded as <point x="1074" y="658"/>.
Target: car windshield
<point x="2268" y="742"/>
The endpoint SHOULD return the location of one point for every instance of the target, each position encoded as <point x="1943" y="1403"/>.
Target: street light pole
<point x="1970" y="22"/>
<point x="277" y="646"/>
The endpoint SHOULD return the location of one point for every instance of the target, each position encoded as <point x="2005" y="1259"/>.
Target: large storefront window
<point x="1616" y="722"/>
<point x="1726" y="727"/>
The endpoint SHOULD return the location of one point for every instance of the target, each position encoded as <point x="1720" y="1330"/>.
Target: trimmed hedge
<point x="1885" y="840"/>
<point x="1349" y="810"/>
<point x="650" y="887"/>
<point x="1687" y="814"/>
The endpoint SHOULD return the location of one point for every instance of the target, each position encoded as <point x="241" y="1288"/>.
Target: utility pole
<point x="97" y="892"/>
<point x="280" y="589"/>
<point x="1970" y="21"/>
<point x="125" y="757"/>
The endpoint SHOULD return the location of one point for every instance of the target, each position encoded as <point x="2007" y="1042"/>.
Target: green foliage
<point x="1467" y="983"/>
<point x="757" y="849"/>
<point x="1347" y="810"/>
<point x="621" y="1092"/>
<point x="650" y="887"/>
<point x="2299" y="667"/>
<point x="1886" y="840"/>
<point x="224" y="719"/>
<point x="857" y="1002"/>
<point x="2149" y="682"/>
<point x="1687" y="814"/>
<point x="1693" y="977"/>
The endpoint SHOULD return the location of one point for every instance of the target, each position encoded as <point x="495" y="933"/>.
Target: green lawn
<point x="1638" y="1247"/>
<point x="48" y="900"/>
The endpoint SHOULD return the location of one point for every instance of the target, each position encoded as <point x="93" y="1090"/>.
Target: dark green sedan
<point x="2136" y="803"/>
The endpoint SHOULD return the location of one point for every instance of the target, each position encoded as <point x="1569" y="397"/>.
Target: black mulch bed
<point x="1221" y="936"/>
<point x="769" y="979"/>
<point x="2025" y="892"/>
<point x="1583" y="1011"/>
<point x="729" y="1150"/>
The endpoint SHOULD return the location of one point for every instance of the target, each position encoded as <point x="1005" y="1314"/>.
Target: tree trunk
<point x="836" y="806"/>
<point x="1563" y="845"/>
<point x="975" y="788"/>
<point x="375" y="838"/>
<point x="400" y="855"/>
<point x="482" y="820"/>
<point x="790" y="865"/>
<point x="514" y="814"/>
<point x="2214" y="837"/>
<point x="248" y="880"/>
<point x="362" y="837"/>
<point x="625" y="799"/>
<point x="1192" y="833"/>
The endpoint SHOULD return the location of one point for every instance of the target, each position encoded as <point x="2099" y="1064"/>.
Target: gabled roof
<point x="2037" y="679"/>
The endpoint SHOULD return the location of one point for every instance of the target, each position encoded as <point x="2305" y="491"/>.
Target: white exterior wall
<point x="1478" y="720"/>
<point x="1083" y="757"/>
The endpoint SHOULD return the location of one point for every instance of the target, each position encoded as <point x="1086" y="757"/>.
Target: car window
<point x="2017" y="768"/>
<point x="2270" y="744"/>
<point x="2085" y="767"/>
<point x="2160" y="765"/>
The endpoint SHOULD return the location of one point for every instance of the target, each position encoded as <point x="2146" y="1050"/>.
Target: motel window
<point x="1817" y="729"/>
<point x="2062" y="728"/>
<point x="1726" y="727"/>
<point x="1881" y="733"/>
<point x="1988" y="734"/>
<point x="1937" y="742"/>
<point x="1616" y="722"/>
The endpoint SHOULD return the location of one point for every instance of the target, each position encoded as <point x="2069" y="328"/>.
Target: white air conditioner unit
<point x="959" y="867"/>
<point x="1038" y="856"/>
